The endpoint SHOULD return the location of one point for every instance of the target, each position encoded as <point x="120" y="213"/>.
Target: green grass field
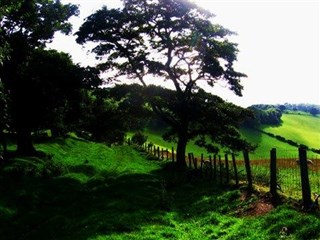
<point x="89" y="191"/>
<point x="303" y="129"/>
<point x="266" y="143"/>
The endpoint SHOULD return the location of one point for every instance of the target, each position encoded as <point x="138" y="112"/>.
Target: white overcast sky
<point x="278" y="43"/>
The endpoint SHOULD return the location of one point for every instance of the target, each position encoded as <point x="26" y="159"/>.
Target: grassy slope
<point x="303" y="129"/>
<point x="299" y="128"/>
<point x="114" y="193"/>
<point x="266" y="143"/>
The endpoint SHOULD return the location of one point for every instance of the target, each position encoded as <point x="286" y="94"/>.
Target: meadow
<point x="297" y="127"/>
<point x="301" y="128"/>
<point x="84" y="190"/>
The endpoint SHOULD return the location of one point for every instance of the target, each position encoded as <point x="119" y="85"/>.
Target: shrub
<point x="139" y="139"/>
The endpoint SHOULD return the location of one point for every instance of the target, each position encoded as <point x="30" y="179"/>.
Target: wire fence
<point x="226" y="168"/>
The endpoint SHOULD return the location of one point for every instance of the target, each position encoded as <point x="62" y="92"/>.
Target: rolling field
<point x="303" y="129"/>
<point x="92" y="192"/>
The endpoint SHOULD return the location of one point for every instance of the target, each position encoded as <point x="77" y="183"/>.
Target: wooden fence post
<point x="172" y="151"/>
<point x="227" y="168"/>
<point x="158" y="152"/>
<point x="211" y="170"/>
<point x="167" y="152"/>
<point x="273" y="175"/>
<point x="215" y="167"/>
<point x="201" y="162"/>
<point x="235" y="169"/>
<point x="189" y="158"/>
<point x="306" y="192"/>
<point x="248" y="170"/>
<point x="220" y="169"/>
<point x="162" y="155"/>
<point x="154" y="151"/>
<point x="195" y="161"/>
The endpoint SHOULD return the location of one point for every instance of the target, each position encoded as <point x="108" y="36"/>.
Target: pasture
<point x="303" y="129"/>
<point x="90" y="191"/>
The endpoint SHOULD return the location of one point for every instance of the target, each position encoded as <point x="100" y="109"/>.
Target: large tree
<point x="28" y="25"/>
<point x="50" y="91"/>
<point x="171" y="41"/>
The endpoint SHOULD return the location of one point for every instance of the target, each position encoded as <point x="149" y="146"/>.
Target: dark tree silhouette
<point x="28" y="25"/>
<point x="169" y="41"/>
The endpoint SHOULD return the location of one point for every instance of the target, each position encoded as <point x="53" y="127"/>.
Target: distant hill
<point x="302" y="129"/>
<point x="297" y="128"/>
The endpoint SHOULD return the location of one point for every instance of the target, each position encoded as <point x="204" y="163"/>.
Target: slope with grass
<point x="102" y="193"/>
<point x="265" y="143"/>
<point x="303" y="129"/>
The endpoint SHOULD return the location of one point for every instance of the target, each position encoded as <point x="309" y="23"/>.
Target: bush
<point x="139" y="139"/>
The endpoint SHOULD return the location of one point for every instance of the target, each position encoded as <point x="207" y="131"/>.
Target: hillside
<point x="303" y="129"/>
<point x="297" y="127"/>
<point x="90" y="191"/>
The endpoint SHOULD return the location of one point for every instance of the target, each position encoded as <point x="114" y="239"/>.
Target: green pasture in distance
<point x="303" y="129"/>
<point x="266" y="143"/>
<point x="155" y="137"/>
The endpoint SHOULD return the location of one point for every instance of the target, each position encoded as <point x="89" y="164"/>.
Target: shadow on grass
<point x="67" y="208"/>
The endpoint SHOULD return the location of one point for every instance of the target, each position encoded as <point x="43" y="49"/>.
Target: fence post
<point x="195" y="161"/>
<point x="189" y="157"/>
<point x="215" y="167"/>
<point x="154" y="151"/>
<point x="273" y="175"/>
<point x="158" y="152"/>
<point x="167" y="152"/>
<point x="211" y="170"/>
<point x="248" y="170"/>
<point x="227" y="168"/>
<point x="235" y="169"/>
<point x="201" y="162"/>
<point x="220" y="169"/>
<point x="306" y="192"/>
<point x="172" y="150"/>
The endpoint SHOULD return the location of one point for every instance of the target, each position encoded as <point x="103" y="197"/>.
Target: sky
<point x="278" y="42"/>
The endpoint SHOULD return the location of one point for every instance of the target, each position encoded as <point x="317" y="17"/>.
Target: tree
<point x="111" y="112"/>
<point x="313" y="111"/>
<point x="166" y="40"/>
<point x="27" y="26"/>
<point x="50" y="85"/>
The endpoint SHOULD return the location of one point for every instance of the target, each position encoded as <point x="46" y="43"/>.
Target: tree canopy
<point x="171" y="41"/>
<point x="25" y="26"/>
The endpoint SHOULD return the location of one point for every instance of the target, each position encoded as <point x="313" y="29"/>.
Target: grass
<point x="302" y="129"/>
<point x="297" y="127"/>
<point x="155" y="137"/>
<point x="101" y="193"/>
<point x="266" y="143"/>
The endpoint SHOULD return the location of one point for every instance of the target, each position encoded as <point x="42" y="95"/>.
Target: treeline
<point x="271" y="114"/>
<point x="263" y="114"/>
<point x="312" y="109"/>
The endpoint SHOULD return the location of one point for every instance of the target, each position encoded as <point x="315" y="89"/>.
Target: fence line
<point x="288" y="177"/>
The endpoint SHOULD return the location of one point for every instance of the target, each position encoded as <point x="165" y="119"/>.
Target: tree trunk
<point x="181" y="152"/>
<point x="3" y="142"/>
<point x="24" y="142"/>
